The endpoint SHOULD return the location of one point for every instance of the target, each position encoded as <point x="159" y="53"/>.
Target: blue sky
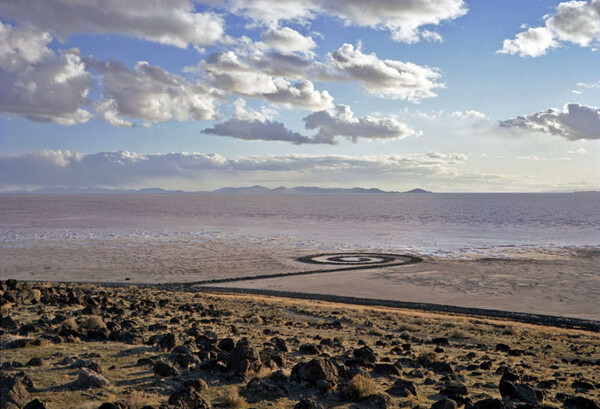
<point x="448" y="95"/>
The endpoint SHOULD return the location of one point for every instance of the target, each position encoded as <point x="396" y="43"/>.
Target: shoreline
<point x="521" y="317"/>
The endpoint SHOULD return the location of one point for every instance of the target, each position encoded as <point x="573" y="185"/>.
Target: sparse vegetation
<point x="214" y="350"/>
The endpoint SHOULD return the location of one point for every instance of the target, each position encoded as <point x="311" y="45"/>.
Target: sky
<point x="446" y="95"/>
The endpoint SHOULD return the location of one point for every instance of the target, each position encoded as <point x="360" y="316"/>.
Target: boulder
<point x="188" y="398"/>
<point x="579" y="402"/>
<point x="445" y="403"/>
<point x="164" y="369"/>
<point x="520" y="392"/>
<point x="88" y="378"/>
<point x="403" y="389"/>
<point x="35" y="404"/>
<point x="314" y="371"/>
<point x="455" y="388"/>
<point x="244" y="359"/>
<point x="13" y="392"/>
<point x="365" y="353"/>
<point x="168" y="342"/>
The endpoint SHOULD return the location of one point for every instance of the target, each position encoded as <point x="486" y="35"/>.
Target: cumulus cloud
<point x="150" y="93"/>
<point x="287" y="41"/>
<point x="172" y="22"/>
<point x="113" y="169"/>
<point x="531" y="43"/>
<point x="573" y="122"/>
<point x="576" y="22"/>
<point x="329" y="124"/>
<point x="230" y="73"/>
<point x="386" y="78"/>
<point x="404" y="19"/>
<point x="340" y="121"/>
<point x="39" y="84"/>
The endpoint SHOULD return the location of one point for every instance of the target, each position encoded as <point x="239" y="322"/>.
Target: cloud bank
<point x="386" y="78"/>
<point x="39" y="84"/>
<point x="404" y="19"/>
<point x="573" y="122"/>
<point x="329" y="124"/>
<point x="576" y="22"/>
<point x="114" y="169"/>
<point x="171" y="22"/>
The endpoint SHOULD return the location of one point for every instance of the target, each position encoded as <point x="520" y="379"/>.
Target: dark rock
<point x="441" y="367"/>
<point x="280" y="344"/>
<point x="548" y="384"/>
<point x="35" y="362"/>
<point x="86" y="363"/>
<point x="244" y="359"/>
<point x="445" y="403"/>
<point x="582" y="385"/>
<point x="488" y="404"/>
<point x="90" y="379"/>
<point x="376" y="401"/>
<point x="440" y="341"/>
<point x="8" y="323"/>
<point x="579" y="402"/>
<point x="226" y="344"/>
<point x="455" y="388"/>
<point x="365" y="353"/>
<point x="265" y="389"/>
<point x="188" y="398"/>
<point x="403" y="389"/>
<point x="502" y="348"/>
<point x="315" y="370"/>
<point x="145" y="361"/>
<point x="35" y="404"/>
<point x="197" y="384"/>
<point x="164" y="370"/>
<point x="113" y="405"/>
<point x="386" y="370"/>
<point x="519" y="391"/>
<point x="168" y="342"/>
<point x="310" y="349"/>
<point x="13" y="392"/>
<point x="273" y="358"/>
<point x="307" y="404"/>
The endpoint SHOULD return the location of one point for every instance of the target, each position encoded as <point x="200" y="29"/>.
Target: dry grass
<point x="70" y="323"/>
<point x="358" y="388"/>
<point x="138" y="399"/>
<point x="93" y="322"/>
<point x="231" y="398"/>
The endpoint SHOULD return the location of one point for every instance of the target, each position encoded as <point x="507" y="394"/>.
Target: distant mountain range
<point x="299" y="190"/>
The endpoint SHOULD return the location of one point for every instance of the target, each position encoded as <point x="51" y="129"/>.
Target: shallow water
<point x="441" y="224"/>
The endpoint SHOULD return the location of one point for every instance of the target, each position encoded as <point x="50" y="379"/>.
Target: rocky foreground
<point x="88" y="346"/>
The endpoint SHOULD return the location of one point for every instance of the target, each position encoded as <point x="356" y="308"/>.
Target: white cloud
<point x="386" y="78"/>
<point x="469" y="115"/>
<point x="331" y="123"/>
<point x="573" y="122"/>
<point x="576" y="22"/>
<point x="258" y="130"/>
<point x="21" y="47"/>
<point x="287" y="40"/>
<point x="340" y="121"/>
<point x="37" y="83"/>
<point x="404" y="19"/>
<point x="586" y="85"/>
<point x="113" y="169"/>
<point x="172" y="22"/>
<point x="531" y="43"/>
<point x="152" y="94"/>
<point x="231" y="74"/>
